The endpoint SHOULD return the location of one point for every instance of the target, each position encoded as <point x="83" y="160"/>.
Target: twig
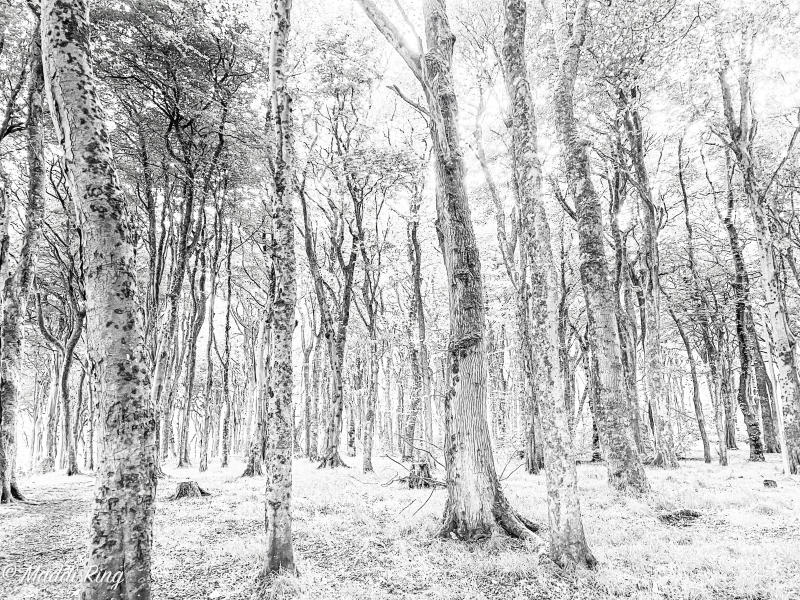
<point x="394" y="461"/>
<point x="512" y="472"/>
<point x="424" y="503"/>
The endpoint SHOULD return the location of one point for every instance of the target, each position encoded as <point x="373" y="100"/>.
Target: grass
<point x="357" y="538"/>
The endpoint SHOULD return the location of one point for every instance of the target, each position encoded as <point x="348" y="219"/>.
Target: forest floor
<point x="358" y="538"/>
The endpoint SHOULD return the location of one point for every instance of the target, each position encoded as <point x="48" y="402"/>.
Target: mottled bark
<point x="122" y="522"/>
<point x="625" y="469"/>
<point x="617" y="184"/>
<point x="567" y="540"/>
<point x="372" y="402"/>
<point x="278" y="460"/>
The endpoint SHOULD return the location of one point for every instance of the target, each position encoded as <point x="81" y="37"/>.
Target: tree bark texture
<point x="122" y="521"/>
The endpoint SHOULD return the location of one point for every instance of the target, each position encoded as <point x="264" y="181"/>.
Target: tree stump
<point x="188" y="489"/>
<point x="420" y="476"/>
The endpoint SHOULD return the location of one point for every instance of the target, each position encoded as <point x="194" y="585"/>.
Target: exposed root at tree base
<point x="574" y="558"/>
<point x="332" y="460"/>
<point x="253" y="468"/>
<point x="506" y="520"/>
<point x="16" y="495"/>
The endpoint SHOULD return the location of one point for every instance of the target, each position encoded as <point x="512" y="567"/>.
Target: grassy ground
<point x="356" y="537"/>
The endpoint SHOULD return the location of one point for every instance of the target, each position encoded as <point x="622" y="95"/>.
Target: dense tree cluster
<point x="435" y="230"/>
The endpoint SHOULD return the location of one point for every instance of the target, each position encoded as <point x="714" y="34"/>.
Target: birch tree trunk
<point x="625" y="470"/>
<point x="278" y="517"/>
<point x="16" y="289"/>
<point x="122" y="523"/>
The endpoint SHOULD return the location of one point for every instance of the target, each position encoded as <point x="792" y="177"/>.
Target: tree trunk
<point x="567" y="541"/>
<point x="657" y="392"/>
<point x="763" y="390"/>
<point x="226" y="356"/>
<point x="625" y="469"/>
<point x="212" y="295"/>
<point x="698" y="405"/>
<point x="476" y="506"/>
<point x="741" y="289"/>
<point x="278" y="519"/>
<point x="15" y="290"/>
<point x="742" y="134"/>
<point x="48" y="463"/>
<point x="197" y="318"/>
<point x="372" y="402"/>
<point x="66" y="366"/>
<point x="122" y="524"/>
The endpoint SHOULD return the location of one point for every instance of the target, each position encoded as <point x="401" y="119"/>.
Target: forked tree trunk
<point x="278" y="497"/>
<point x="625" y="470"/>
<point x="622" y="295"/>
<point x="122" y="523"/>
<point x="476" y="507"/>
<point x="15" y="290"/>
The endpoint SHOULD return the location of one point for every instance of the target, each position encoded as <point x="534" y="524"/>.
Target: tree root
<point x="332" y="460"/>
<point x="253" y="468"/>
<point x="506" y="520"/>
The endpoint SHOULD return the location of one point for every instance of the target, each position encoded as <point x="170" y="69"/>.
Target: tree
<point x="625" y="469"/>
<point x="741" y="132"/>
<point x="567" y="541"/>
<point x="122" y="523"/>
<point x="476" y="505"/>
<point x="17" y="288"/>
<point x="280" y="553"/>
